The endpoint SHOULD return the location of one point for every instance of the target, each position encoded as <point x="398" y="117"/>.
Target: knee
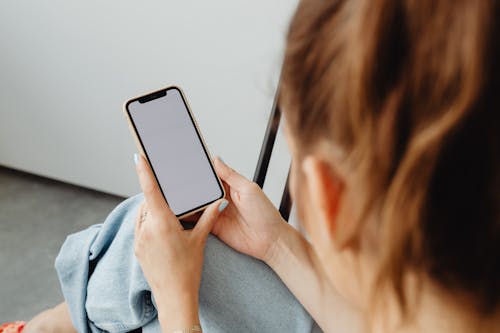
<point x="41" y="323"/>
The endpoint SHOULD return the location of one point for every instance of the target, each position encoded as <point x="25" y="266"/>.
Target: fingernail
<point x="220" y="158"/>
<point x="223" y="205"/>
<point x="136" y="158"/>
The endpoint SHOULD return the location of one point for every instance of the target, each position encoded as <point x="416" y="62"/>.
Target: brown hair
<point x="410" y="91"/>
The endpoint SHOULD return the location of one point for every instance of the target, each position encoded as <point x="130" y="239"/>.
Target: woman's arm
<point x="296" y="263"/>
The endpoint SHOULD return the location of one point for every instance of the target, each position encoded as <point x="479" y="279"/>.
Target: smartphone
<point x="167" y="134"/>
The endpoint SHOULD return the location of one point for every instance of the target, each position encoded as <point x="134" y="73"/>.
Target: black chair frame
<point x="265" y="157"/>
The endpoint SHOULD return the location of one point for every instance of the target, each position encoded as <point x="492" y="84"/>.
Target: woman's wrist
<point x="279" y="249"/>
<point x="178" y="312"/>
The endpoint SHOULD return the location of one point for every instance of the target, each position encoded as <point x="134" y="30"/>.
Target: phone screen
<point x="172" y="144"/>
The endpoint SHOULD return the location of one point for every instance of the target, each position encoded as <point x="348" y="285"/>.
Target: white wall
<point x="67" y="66"/>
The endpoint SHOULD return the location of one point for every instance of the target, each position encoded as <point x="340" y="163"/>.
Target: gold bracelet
<point x="195" y="328"/>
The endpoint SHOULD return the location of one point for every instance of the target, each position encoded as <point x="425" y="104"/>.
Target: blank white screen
<point x="176" y="153"/>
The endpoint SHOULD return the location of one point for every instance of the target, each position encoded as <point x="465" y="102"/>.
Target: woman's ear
<point x="325" y="190"/>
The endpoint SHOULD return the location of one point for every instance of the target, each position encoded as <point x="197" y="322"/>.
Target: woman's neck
<point x="438" y="311"/>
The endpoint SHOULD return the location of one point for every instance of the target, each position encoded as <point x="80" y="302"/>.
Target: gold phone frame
<point x="141" y="148"/>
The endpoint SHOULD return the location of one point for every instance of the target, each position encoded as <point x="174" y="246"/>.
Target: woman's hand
<point x="250" y="224"/>
<point x="171" y="257"/>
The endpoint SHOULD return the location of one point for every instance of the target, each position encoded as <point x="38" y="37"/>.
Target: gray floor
<point x="36" y="215"/>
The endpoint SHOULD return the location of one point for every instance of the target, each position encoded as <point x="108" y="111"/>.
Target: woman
<point x="391" y="111"/>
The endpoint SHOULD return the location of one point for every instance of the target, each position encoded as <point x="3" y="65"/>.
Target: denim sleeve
<point x="82" y="280"/>
<point x="118" y="296"/>
<point x="72" y="266"/>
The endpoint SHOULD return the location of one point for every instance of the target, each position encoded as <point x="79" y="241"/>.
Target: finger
<point x="152" y="193"/>
<point x="209" y="216"/>
<point x="229" y="175"/>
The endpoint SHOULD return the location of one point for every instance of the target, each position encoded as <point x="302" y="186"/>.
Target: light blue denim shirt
<point x="106" y="290"/>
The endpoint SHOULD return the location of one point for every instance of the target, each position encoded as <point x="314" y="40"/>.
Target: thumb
<point x="209" y="216"/>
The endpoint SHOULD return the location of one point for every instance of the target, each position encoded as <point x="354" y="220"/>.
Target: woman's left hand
<point x="170" y="257"/>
